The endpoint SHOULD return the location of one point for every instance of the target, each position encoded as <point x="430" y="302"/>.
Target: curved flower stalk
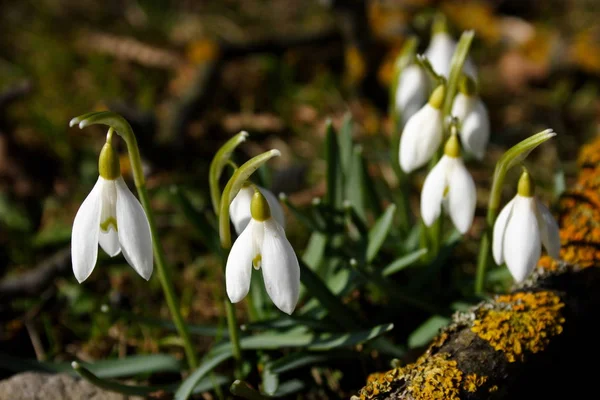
<point x="239" y="209"/>
<point x="449" y="184"/>
<point x="112" y="217"/>
<point x="473" y="116"/>
<point x="441" y="49"/>
<point x="411" y="91"/>
<point x="522" y="227"/>
<point x="263" y="244"/>
<point x="422" y="134"/>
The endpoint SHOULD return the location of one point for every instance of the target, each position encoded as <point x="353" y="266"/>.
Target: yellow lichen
<point x="473" y="382"/>
<point x="431" y="377"/>
<point x="520" y="322"/>
<point x="493" y="389"/>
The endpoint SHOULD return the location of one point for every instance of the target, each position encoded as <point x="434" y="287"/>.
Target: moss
<point x="520" y="323"/>
<point x="431" y="377"/>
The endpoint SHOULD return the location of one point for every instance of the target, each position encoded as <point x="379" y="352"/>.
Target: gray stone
<point x="42" y="386"/>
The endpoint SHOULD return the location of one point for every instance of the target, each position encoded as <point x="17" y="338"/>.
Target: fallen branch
<point x="536" y="342"/>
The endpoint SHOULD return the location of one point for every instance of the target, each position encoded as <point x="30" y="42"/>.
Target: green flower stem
<point x="234" y="335"/>
<point x="512" y="157"/>
<point x="217" y="164"/>
<point x="456" y="67"/>
<point x="122" y="127"/>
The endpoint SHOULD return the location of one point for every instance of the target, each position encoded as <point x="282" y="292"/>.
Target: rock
<point x="36" y="385"/>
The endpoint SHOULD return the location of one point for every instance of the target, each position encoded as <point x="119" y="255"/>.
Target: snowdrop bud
<point x="422" y="134"/>
<point x="411" y="91"/>
<point x="441" y="49"/>
<point x="522" y="227"/>
<point x="473" y="116"/>
<point x="450" y="185"/>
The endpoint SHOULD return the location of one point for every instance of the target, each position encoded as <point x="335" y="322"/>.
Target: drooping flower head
<point x="411" y="91"/>
<point x="263" y="245"/>
<point x="112" y="217"/>
<point x="422" y="134"/>
<point x="523" y="225"/>
<point x="441" y="50"/>
<point x="239" y="209"/>
<point x="473" y="117"/>
<point x="450" y="185"/>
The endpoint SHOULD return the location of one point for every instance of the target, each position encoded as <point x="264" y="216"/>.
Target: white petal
<point x="500" y="231"/>
<point x="549" y="230"/>
<point x="239" y="209"/>
<point x="109" y="241"/>
<point x="281" y="271"/>
<point x="274" y="205"/>
<point x="522" y="246"/>
<point x="462" y="196"/>
<point x="134" y="231"/>
<point x="433" y="191"/>
<point x="462" y="106"/>
<point x="84" y="237"/>
<point x="411" y="93"/>
<point x="440" y="51"/>
<point x="238" y="270"/>
<point x="420" y="138"/>
<point x="475" y="130"/>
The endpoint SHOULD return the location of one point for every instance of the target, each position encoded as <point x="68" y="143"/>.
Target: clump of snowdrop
<point x="441" y="49"/>
<point x="473" y="117"/>
<point x="263" y="245"/>
<point x="112" y="217"/>
<point x="522" y="227"/>
<point x="422" y="134"/>
<point x="239" y="209"/>
<point x="411" y="91"/>
<point x="450" y="185"/>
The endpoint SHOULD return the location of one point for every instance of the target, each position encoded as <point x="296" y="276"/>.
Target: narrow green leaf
<point x="315" y="250"/>
<point x="300" y="359"/>
<point x="355" y="183"/>
<point x="405" y="261"/>
<point x="198" y="220"/>
<point x="288" y="388"/>
<point x="427" y="331"/>
<point x="188" y="385"/>
<point x="346" y="145"/>
<point x="310" y="341"/>
<point x="116" y="368"/>
<point x="334" y="171"/>
<point x="337" y="310"/>
<point x="379" y="232"/>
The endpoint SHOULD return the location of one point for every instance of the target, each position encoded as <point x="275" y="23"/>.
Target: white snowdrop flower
<point x="411" y="91"/>
<point x="263" y="244"/>
<point x="239" y="209"/>
<point x="473" y="116"/>
<point x="449" y="184"/>
<point x="422" y="134"/>
<point x="523" y="225"/>
<point x="441" y="49"/>
<point x="112" y="217"/>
